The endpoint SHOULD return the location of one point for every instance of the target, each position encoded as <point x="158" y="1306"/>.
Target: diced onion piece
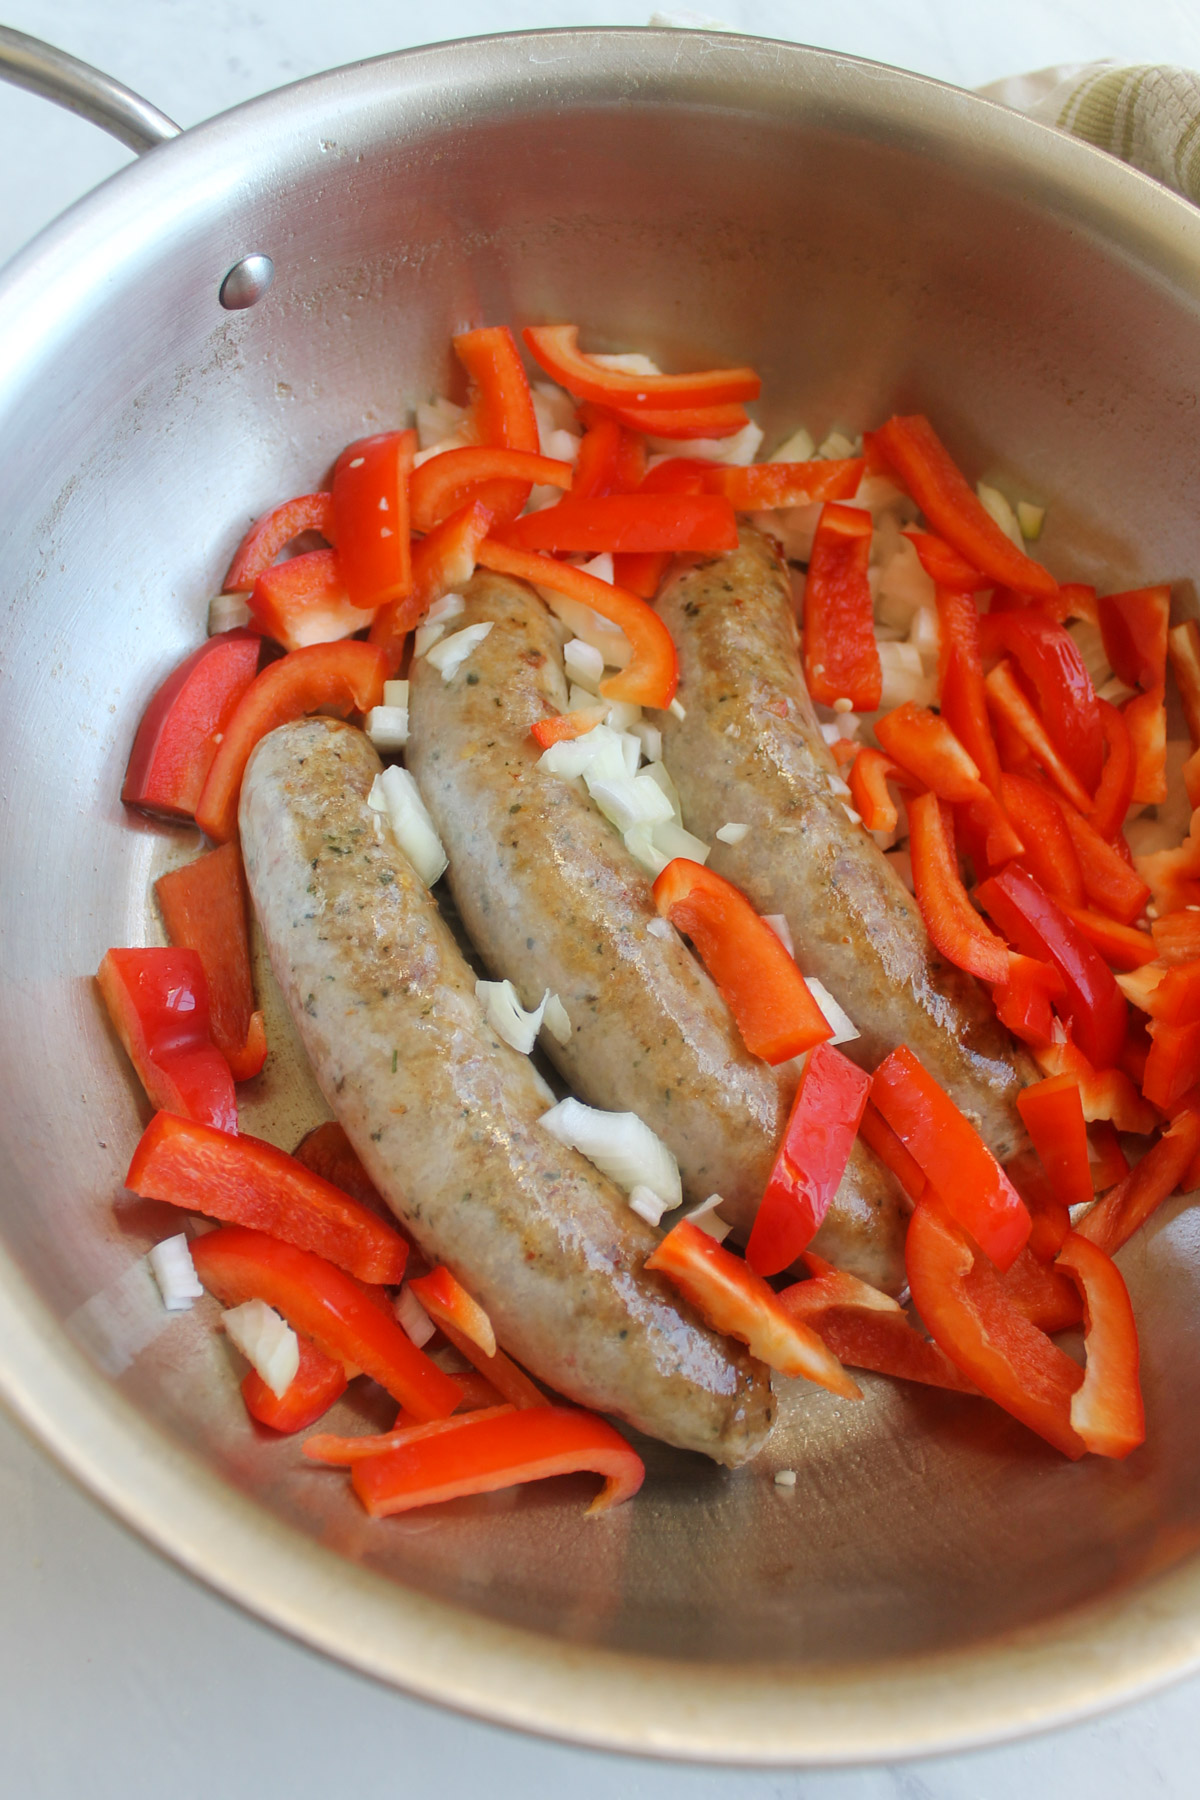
<point x="1115" y="691"/>
<point x="639" y="841"/>
<point x="581" y="699"/>
<point x="554" y="410"/>
<point x="556" y="1019"/>
<point x="651" y="739"/>
<point x="624" y="716"/>
<point x="855" y="818"/>
<point x="901" y="586"/>
<point x="732" y="833"/>
<point x="600" y="566"/>
<point x="658" y="772"/>
<point x="924" y="635"/>
<point x="661" y="928"/>
<point x="396" y="794"/>
<point x="621" y="1145"/>
<point x="837" y="447"/>
<point x="672" y="840"/>
<point x="561" y="446"/>
<point x="627" y="362"/>
<point x="676" y="709"/>
<point x="738" y="451"/>
<point x="904" y="677"/>
<point x="507" y="1017"/>
<point x="647" y="1204"/>
<point x="631" y="749"/>
<point x="412" y="1318"/>
<point x="427" y="635"/>
<point x="395" y="693"/>
<point x="437" y="419"/>
<point x="387" y="727"/>
<point x="844" y="1028"/>
<point x="1090" y="646"/>
<point x="449" y="656"/>
<point x="175" y="1273"/>
<point x="599" y="750"/>
<point x="705" y="1217"/>
<point x="838" y="786"/>
<point x="783" y="931"/>
<point x="226" y="612"/>
<point x="995" y="504"/>
<point x="266" y="1341"/>
<point x="630" y="800"/>
<point x="797" y="448"/>
<point x="1031" y="519"/>
<point x="583" y="663"/>
<point x="448" y="607"/>
<point x="785" y="1478"/>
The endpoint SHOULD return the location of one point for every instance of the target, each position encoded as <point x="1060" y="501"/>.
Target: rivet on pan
<point x="247" y="282"/>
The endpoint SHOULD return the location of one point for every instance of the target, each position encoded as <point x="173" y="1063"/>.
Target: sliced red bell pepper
<point x="448" y="482"/>
<point x="971" y="1317"/>
<point x="953" y="925"/>
<point x="629" y="522"/>
<point x="718" y="421"/>
<point x="841" y="657"/>
<point x="868" y="1329"/>
<point x="952" y="1156"/>
<point x="650" y="678"/>
<point x="328" y="1152"/>
<point x="304" y="601"/>
<point x="1107" y="1410"/>
<point x="1047" y="657"/>
<point x="501" y="408"/>
<point x="1010" y="705"/>
<point x="926" y="746"/>
<point x="956" y="513"/>
<point x="1115" y="792"/>
<point x="641" y="572"/>
<point x="1109" y="1162"/>
<point x="349" y="676"/>
<point x="343" y="1452"/>
<point x="563" y="726"/>
<point x="181" y="728"/>
<point x="1126" y="1207"/>
<point x="483" y="1454"/>
<point x="1134" y="628"/>
<point x="764" y="486"/>
<point x="944" y="566"/>
<point x="595" y="470"/>
<point x="759" y="982"/>
<point x="1120" y="945"/>
<point x="370" y="517"/>
<point x="1038" y="927"/>
<point x="350" y="1322"/>
<point x="961" y="692"/>
<point x="556" y="348"/>
<point x="1183" y="647"/>
<point x="1105" y="1093"/>
<point x="1174" y="875"/>
<point x="878" y="1135"/>
<point x="811" y="1160"/>
<point x="1176" y="937"/>
<point x="1135" y="1051"/>
<point x="727" y="1293"/>
<point x="869" y="775"/>
<point x="1076" y="600"/>
<point x="313" y="1389"/>
<point x="678" y="475"/>
<point x="1041" y="1294"/>
<point x="1146" y="720"/>
<point x="157" y="1000"/>
<point x="1173" y="1065"/>
<point x="1051" y="1219"/>
<point x="272" y="533"/>
<point x="1168" y="993"/>
<point x="447" y="1308"/>
<point x="444" y="1297"/>
<point x="1053" y="1115"/>
<point x="442" y="563"/>
<point x="245" y="1181"/>
<point x="1049" y="851"/>
<point x="1022" y="1001"/>
<point x="631" y="463"/>
<point x="1109" y="882"/>
<point x="203" y="905"/>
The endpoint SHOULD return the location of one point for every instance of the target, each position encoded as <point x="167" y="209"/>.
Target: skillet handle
<point x="29" y="63"/>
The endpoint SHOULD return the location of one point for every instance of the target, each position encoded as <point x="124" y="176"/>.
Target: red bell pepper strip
<point x="1135" y="1051"/>
<point x="203" y="905"/>
<point x="718" y="421"/>
<point x="1134" y="628"/>
<point x="1174" y="875"/>
<point x="961" y="692"/>
<point x="350" y="1322"/>
<point x="925" y="745"/>
<point x="1183" y="647"/>
<point x="349" y="675"/>
<point x="944" y="566"/>
<point x="631" y="463"/>
<point x="444" y="1297"/>
<point x="764" y="486"/>
<point x="971" y="1317"/>
<point x="953" y="1157"/>
<point x="759" y="982"/>
<point x="1038" y="927"/>
<point x="869" y="775"/>
<point x="344" y="1452"/>
<point x="245" y="1181"/>
<point x="595" y="470"/>
<point x="868" y="1329"/>
<point x="1146" y="720"/>
<point x="678" y="475"/>
<point x="628" y="522"/>
<point x="1109" y="1162"/>
<point x="650" y="678"/>
<point x="442" y="563"/>
<point x="1022" y="1001"/>
<point x="1047" y="657"/>
<point x="1126" y="1207"/>
<point x="1173" y="1065"/>
<point x="483" y="1454"/>
<point x="956" y="513"/>
<point x="272" y="533"/>
<point x="1051" y="1219"/>
<point x="181" y="728"/>
<point x="878" y="1135"/>
<point x="1120" y="945"/>
<point x="640" y="572"/>
<point x="1009" y="704"/>
<point x="841" y="657"/>
<point x="1109" y="882"/>
<point x="1049" y="851"/>
<point x="1115" y="792"/>
<point x="1170" y="994"/>
<point x="328" y="1152"/>
<point x="1107" y="1410"/>
<point x="811" y="1160"/>
<point x="561" y="727"/>
<point x="1040" y="1294"/>
<point x="1075" y="600"/>
<point x="370" y="517"/>
<point x="501" y="408"/>
<point x="1105" y="1093"/>
<point x="728" y="1294"/>
<point x="157" y="1000"/>
<point x="1053" y="1115"/>
<point x="556" y="348"/>
<point x="953" y="925"/>
<point x="304" y="601"/>
<point x="448" y="482"/>
<point x="1176" y="938"/>
<point x="445" y="1309"/>
<point x="313" y="1389"/>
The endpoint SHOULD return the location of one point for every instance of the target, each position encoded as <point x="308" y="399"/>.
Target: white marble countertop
<point x="119" y="1678"/>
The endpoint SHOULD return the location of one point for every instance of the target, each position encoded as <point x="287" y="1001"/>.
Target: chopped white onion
<point x="437" y="419"/>
<point x="795" y="528"/>
<point x="628" y="362"/>
<point x="175" y="1273"/>
<point x="647" y="1204"/>
<point x="924" y="634"/>
<point x="901" y="587"/>
<point x="226" y="612"/>
<point x="705" y="1217"/>
<point x="677" y="710"/>
<point x="266" y="1341"/>
<point x="554" y="410"/>
<point x="599" y="750"/>
<point x="1031" y="519"/>
<point x="395" y="793"/>
<point x="1115" y="691"/>
<point x="583" y="663"/>
<point x="844" y="1028"/>
<point x="651" y="739"/>
<point x="855" y="818"/>
<point x="657" y="771"/>
<point x="904" y="677"/>
<point x="781" y="928"/>
<point x="785" y="1478"/>
<point x="507" y="1017"/>
<point x="449" y="656"/>
<point x="427" y="635"/>
<point x="997" y="507"/>
<point x="672" y="840"/>
<point x="387" y="727"/>
<point x="732" y="834"/>
<point x="1090" y="646"/>
<point x="661" y="928"/>
<point x="736" y="451"/>
<point x="836" y="447"/>
<point x="395" y="693"/>
<point x="838" y="786"/>
<point x="563" y="446"/>
<point x="797" y="448"/>
<point x="448" y="607"/>
<point x="412" y="1318"/>
<point x="589" y="625"/>
<point x="601" y="567"/>
<point x="624" y="715"/>
<point x="557" y="1020"/>
<point x="639" y="841"/>
<point x="621" y="1145"/>
<point x="630" y="800"/>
